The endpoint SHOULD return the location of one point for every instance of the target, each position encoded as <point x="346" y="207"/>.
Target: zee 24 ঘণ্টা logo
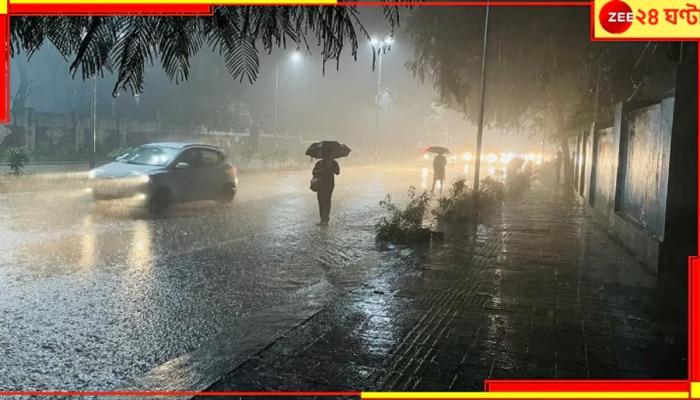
<point x="616" y="16"/>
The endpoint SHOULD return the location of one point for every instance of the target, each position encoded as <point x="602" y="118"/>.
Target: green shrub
<point x="461" y="203"/>
<point x="17" y="158"/>
<point x="404" y="226"/>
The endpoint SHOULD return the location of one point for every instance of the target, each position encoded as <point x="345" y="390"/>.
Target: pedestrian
<point x="323" y="183"/>
<point x="558" y="164"/>
<point x="439" y="163"/>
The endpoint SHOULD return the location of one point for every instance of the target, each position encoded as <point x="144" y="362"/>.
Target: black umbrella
<point x="328" y="149"/>
<point x="437" y="150"/>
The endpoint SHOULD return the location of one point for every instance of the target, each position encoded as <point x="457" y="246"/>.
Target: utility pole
<point x="296" y="57"/>
<point x="376" y="108"/>
<point x="382" y="45"/>
<point x="277" y="96"/>
<point x="93" y="117"/>
<point x="480" y="131"/>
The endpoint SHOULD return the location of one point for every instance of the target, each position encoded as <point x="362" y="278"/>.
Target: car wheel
<point x="228" y="193"/>
<point x="160" y="201"/>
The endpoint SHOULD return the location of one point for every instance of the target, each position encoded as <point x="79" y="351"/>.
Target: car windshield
<point x="156" y="156"/>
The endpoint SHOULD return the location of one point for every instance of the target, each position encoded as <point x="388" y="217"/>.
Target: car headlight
<point x="91" y="174"/>
<point x="144" y="178"/>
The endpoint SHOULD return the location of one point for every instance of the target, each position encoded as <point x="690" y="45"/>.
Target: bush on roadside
<point x="404" y="226"/>
<point x="461" y="203"/>
<point x="17" y="158"/>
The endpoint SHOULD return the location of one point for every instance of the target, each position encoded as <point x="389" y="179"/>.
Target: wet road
<point x="93" y="297"/>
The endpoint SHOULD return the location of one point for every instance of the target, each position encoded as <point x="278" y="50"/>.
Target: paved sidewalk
<point x="539" y="292"/>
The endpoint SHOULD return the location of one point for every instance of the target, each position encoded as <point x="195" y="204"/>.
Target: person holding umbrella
<point x="439" y="164"/>
<point x="323" y="175"/>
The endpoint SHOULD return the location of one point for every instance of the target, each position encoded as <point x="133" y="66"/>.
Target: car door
<point x="185" y="183"/>
<point x="211" y="173"/>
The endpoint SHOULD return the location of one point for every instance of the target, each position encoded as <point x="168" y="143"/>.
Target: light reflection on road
<point x="140" y="252"/>
<point x="135" y="292"/>
<point x="88" y="244"/>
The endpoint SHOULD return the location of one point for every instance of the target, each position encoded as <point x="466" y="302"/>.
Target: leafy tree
<point x="541" y="66"/>
<point x="126" y="45"/>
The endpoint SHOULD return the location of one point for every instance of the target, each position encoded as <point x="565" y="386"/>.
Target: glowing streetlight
<point x="379" y="46"/>
<point x="295" y="58"/>
<point x="480" y="125"/>
<point x="93" y="111"/>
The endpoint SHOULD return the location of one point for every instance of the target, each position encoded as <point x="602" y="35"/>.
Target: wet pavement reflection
<point x="96" y="295"/>
<point x="533" y="291"/>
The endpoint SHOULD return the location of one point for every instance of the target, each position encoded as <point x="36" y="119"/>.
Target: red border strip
<point x="693" y="321"/>
<point x="5" y="76"/>
<point x="191" y="394"/>
<point x="111" y="9"/>
<point x="207" y="9"/>
<point x="587" y="386"/>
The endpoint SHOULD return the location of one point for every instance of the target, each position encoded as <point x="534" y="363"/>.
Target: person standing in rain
<point x="324" y="174"/>
<point x="439" y="164"/>
<point x="557" y="164"/>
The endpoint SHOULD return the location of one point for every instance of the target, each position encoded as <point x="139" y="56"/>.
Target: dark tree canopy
<point x="540" y="64"/>
<point x="125" y="45"/>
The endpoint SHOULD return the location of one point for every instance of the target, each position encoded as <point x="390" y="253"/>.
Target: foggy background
<point x="339" y="105"/>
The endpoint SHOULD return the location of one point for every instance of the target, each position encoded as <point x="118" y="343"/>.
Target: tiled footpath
<point x="537" y="292"/>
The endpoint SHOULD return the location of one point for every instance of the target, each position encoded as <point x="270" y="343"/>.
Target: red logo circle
<point x="616" y="16"/>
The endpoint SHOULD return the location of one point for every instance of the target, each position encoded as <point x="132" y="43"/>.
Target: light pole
<point x="480" y="129"/>
<point x="93" y="117"/>
<point x="380" y="46"/>
<point x="295" y="57"/>
<point x="93" y="112"/>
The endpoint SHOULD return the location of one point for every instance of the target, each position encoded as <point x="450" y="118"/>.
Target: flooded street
<point x="94" y="296"/>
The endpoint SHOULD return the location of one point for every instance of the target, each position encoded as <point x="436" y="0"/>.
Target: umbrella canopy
<point x="438" y="150"/>
<point x="327" y="149"/>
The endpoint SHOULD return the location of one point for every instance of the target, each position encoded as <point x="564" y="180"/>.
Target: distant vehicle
<point x="157" y="175"/>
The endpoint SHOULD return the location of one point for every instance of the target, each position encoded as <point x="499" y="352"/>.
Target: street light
<point x="379" y="46"/>
<point x="295" y="58"/>
<point x="480" y="129"/>
<point x="93" y="117"/>
<point x="93" y="111"/>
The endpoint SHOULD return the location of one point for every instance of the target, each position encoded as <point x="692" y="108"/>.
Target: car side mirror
<point x="182" y="165"/>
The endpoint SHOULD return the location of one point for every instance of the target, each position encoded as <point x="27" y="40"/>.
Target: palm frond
<point x="179" y="39"/>
<point x="126" y="43"/>
<point x="133" y="49"/>
<point x="94" y="50"/>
